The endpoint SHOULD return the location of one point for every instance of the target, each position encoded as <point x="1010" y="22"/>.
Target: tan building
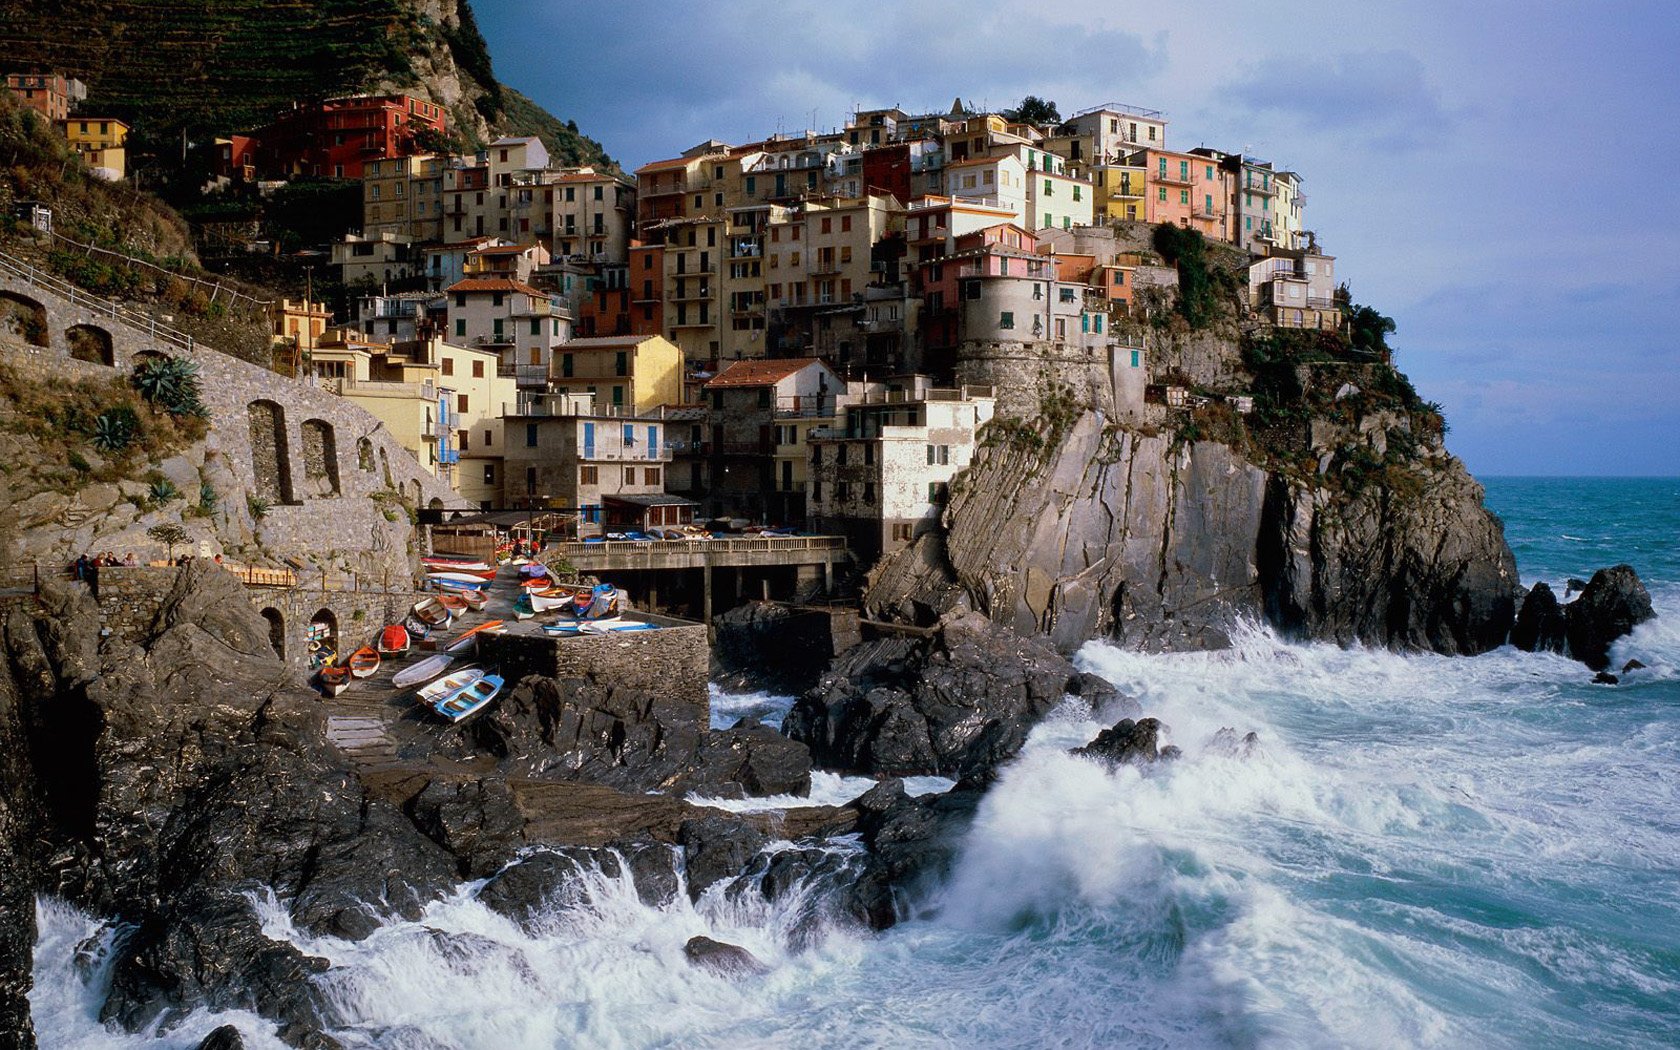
<point x="624" y="373"/>
<point x="563" y="455"/>
<point x="591" y="214"/>
<point x="404" y="196"/>
<point x="100" y="142"/>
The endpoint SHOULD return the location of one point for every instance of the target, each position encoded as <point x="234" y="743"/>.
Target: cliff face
<point x="1159" y="542"/>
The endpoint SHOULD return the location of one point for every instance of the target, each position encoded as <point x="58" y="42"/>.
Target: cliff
<point x="1331" y="511"/>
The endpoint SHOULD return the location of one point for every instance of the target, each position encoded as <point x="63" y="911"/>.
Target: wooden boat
<point x="432" y="692"/>
<point x="335" y="678"/>
<point x="530" y="604"/>
<point x="364" y="662"/>
<point x="425" y="670"/>
<point x="417" y="629"/>
<point x="431" y="611"/>
<point x="393" y="640"/>
<point x="458" y="579"/>
<point x="601" y="603"/>
<point x="453" y="602"/>
<point x="468" y="701"/>
<point x="475" y="597"/>
<point x="615" y="626"/>
<point x="471" y="637"/>
<point x="451" y="563"/>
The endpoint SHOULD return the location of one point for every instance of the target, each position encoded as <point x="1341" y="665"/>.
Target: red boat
<point x="364" y="662"/>
<point x="393" y="640"/>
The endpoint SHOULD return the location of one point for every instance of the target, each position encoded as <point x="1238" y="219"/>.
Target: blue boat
<point x="469" y="699"/>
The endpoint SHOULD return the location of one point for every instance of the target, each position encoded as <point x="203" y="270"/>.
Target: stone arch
<point x="364" y="455"/>
<point x="23" y="318"/>
<point x="416" y="493"/>
<point x="271" y="463"/>
<point x="323" y="641"/>
<point x="435" y="504"/>
<point x="385" y="466"/>
<point x="276" y="630"/>
<point x="90" y="343"/>
<point x="320" y="458"/>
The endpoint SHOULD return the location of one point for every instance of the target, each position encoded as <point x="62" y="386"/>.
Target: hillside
<point x="204" y="67"/>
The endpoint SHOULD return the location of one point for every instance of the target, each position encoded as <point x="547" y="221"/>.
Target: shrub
<point x="170" y="535"/>
<point x="207" y="498"/>
<point x="79" y="463"/>
<point x="171" y="383"/>
<point x="257" y="506"/>
<point x="164" y="490"/>
<point x="115" y="429"/>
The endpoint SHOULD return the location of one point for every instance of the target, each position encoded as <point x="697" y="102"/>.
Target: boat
<point x="468" y="701"/>
<point x="335" y="678"/>
<point x="425" y="670"/>
<point x="453" y="602"/>
<point x="601" y="603"/>
<point x="530" y="604"/>
<point x="449" y="563"/>
<point x="458" y="579"/>
<point x="454" y="682"/>
<point x="431" y="611"/>
<point x="615" y="626"/>
<point x="475" y="597"/>
<point x="393" y="640"/>
<point x="471" y="637"/>
<point x="364" y="662"/>
<point x="417" y="629"/>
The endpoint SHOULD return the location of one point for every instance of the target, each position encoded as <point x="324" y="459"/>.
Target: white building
<point x="523" y="324"/>
<point x="882" y="477"/>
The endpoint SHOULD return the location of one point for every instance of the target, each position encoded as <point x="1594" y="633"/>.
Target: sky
<point x="1501" y="178"/>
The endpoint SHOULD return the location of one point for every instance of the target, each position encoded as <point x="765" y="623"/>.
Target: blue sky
<point x="1502" y="178"/>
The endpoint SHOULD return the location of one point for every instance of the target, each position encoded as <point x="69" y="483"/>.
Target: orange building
<point x="46" y="93"/>
<point x="1189" y="190"/>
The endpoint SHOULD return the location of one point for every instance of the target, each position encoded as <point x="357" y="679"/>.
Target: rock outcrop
<point x="1160" y="543"/>
<point x="1541" y="621"/>
<point x="1613" y="603"/>
<point x="1128" y="741"/>
<point x="955" y="703"/>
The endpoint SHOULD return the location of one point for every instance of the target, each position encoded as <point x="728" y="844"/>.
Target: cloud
<point x="1382" y="96"/>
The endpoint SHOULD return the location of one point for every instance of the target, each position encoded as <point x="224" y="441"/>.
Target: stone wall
<point x="673" y="662"/>
<point x="129" y="599"/>
<point x="1023" y="371"/>
<point x="317" y="508"/>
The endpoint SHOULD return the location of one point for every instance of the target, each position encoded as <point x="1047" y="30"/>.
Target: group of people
<point x="85" y="564"/>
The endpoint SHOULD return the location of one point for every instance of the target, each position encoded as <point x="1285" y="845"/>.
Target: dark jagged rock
<point x="1573" y="586"/>
<point x="1605" y="678"/>
<point x="1613" y="603"/>
<point x="912" y="840"/>
<point x="775" y="647"/>
<point x="226" y="1037"/>
<point x="715" y="849"/>
<point x="533" y="886"/>
<point x="1125" y="741"/>
<point x="748" y="758"/>
<point x="1540" y="622"/>
<point x="477" y="821"/>
<point x="955" y="704"/>
<point x="725" y="960"/>
<point x="1632" y="665"/>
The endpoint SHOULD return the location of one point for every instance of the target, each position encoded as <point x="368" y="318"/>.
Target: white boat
<point x="459" y="579"/>
<point x="469" y="699"/>
<point x="432" y="692"/>
<point x="425" y="670"/>
<point x="614" y="626"/>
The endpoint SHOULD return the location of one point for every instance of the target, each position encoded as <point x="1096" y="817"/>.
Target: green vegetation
<point x="171" y="383"/>
<point x="208" y="500"/>
<point x="164" y="491"/>
<point x="565" y="144"/>
<point x="257" y="506"/>
<point x="1204" y="287"/>
<point x="471" y="54"/>
<point x="1034" y="110"/>
<point x="169" y="534"/>
<point x="115" y="429"/>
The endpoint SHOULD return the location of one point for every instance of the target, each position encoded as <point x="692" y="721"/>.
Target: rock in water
<point x="1540" y="622"/>
<point x="1125" y="741"/>
<point x="226" y="1037"/>
<point x="1613" y="603"/>
<point x="955" y="704"/>
<point x="725" y="960"/>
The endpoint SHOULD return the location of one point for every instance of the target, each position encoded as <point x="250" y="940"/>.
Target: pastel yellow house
<point x="1120" y="191"/>
<point x="626" y="373"/>
<point x="100" y="142"/>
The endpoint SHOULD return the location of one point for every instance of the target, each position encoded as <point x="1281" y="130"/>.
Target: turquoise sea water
<point x="1419" y="851"/>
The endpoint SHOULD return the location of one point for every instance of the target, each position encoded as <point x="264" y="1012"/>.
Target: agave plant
<point x="171" y="383"/>
<point x="115" y="429"/>
<point x="164" y="490"/>
<point x="207" y="497"/>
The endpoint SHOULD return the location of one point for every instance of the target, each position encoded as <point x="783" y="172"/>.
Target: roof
<point x="648" y="499"/>
<point x="663" y="165"/>
<point x="494" y="284"/>
<point x="605" y="342"/>
<point x="504" y="249"/>
<point x="515" y="140"/>
<point x="760" y="373"/>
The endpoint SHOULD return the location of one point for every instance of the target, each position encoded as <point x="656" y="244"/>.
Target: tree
<point x="170" y="535"/>
<point x="1034" y="110"/>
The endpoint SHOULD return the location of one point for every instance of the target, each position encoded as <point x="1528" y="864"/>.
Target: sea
<point x="1414" y="851"/>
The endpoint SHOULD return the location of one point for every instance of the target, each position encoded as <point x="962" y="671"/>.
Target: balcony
<point x="1202" y="211"/>
<point x="746" y="250"/>
<point x="449" y="456"/>
<point x="1173" y="178"/>
<point x="1265" y="190"/>
<point x="628" y="454"/>
<point x="702" y="292"/>
<point x="530" y="375"/>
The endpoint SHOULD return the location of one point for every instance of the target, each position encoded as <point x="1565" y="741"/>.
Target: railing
<point x="601" y="454"/>
<point x="728" y="545"/>
<point x="217" y="291"/>
<point x="530" y="375"/>
<point x="1180" y="179"/>
<point x="36" y="277"/>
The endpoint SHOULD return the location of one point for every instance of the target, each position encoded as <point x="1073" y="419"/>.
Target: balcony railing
<point x="636" y="454"/>
<point x="1173" y="178"/>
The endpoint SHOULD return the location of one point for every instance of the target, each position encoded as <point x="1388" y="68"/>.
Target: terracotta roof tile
<point x="494" y="284"/>
<point x="759" y="373"/>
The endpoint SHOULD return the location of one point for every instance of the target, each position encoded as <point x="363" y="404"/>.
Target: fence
<point x="34" y="276"/>
<point x="217" y="291"/>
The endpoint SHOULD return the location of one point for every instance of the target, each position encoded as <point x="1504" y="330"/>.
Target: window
<point x="1136" y="357"/>
<point x="1006" y="320"/>
<point x="869" y="492"/>
<point x="938" y="492"/>
<point x="460" y="298"/>
<point x="621" y="363"/>
<point x="901" y="532"/>
<point x="462" y="437"/>
<point x="536" y="326"/>
<point x="530" y="435"/>
<point x="939" y="455"/>
<point x="478" y="369"/>
<point x="461" y="327"/>
<point x="827" y="224"/>
<point x="589" y="475"/>
<point x="449" y="366"/>
<point x="566" y="365"/>
<point x="1038" y="291"/>
<point x="650" y="476"/>
<point x="461" y="403"/>
<point x="1161" y="194"/>
<point x="845" y="224"/>
<point x="530" y="481"/>
<point x="1184" y="196"/>
<point x="1067" y="295"/>
<point x="489" y="473"/>
<point x="841" y="455"/>
<point x="1096" y="323"/>
<point x="842" y="491"/>
<point x="763" y="397"/>
<point x="816" y="455"/>
<point x="496" y="298"/>
<point x="489" y="438"/>
<point x="869" y="454"/>
<point x="598" y="192"/>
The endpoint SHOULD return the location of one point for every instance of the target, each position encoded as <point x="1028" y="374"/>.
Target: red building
<point x="605" y="312"/>
<point x="336" y="137"/>
<point x="886" y="169"/>
<point x="236" y="158"/>
<point x="646" y="280"/>
<point x="46" y="93"/>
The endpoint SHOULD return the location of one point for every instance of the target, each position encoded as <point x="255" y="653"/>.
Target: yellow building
<point x="403" y="195"/>
<point x="100" y="142"/>
<point x="625" y="373"/>
<point x="1120" y="189"/>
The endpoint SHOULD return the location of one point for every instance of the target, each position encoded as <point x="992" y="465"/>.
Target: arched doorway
<point x="320" y="458"/>
<point x="271" y="463"/>
<point x="364" y="455"/>
<point x="23" y="318"/>
<point x="276" y="630"/>
<point x="435" y="504"/>
<point x="323" y="636"/>
<point x="90" y="343"/>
